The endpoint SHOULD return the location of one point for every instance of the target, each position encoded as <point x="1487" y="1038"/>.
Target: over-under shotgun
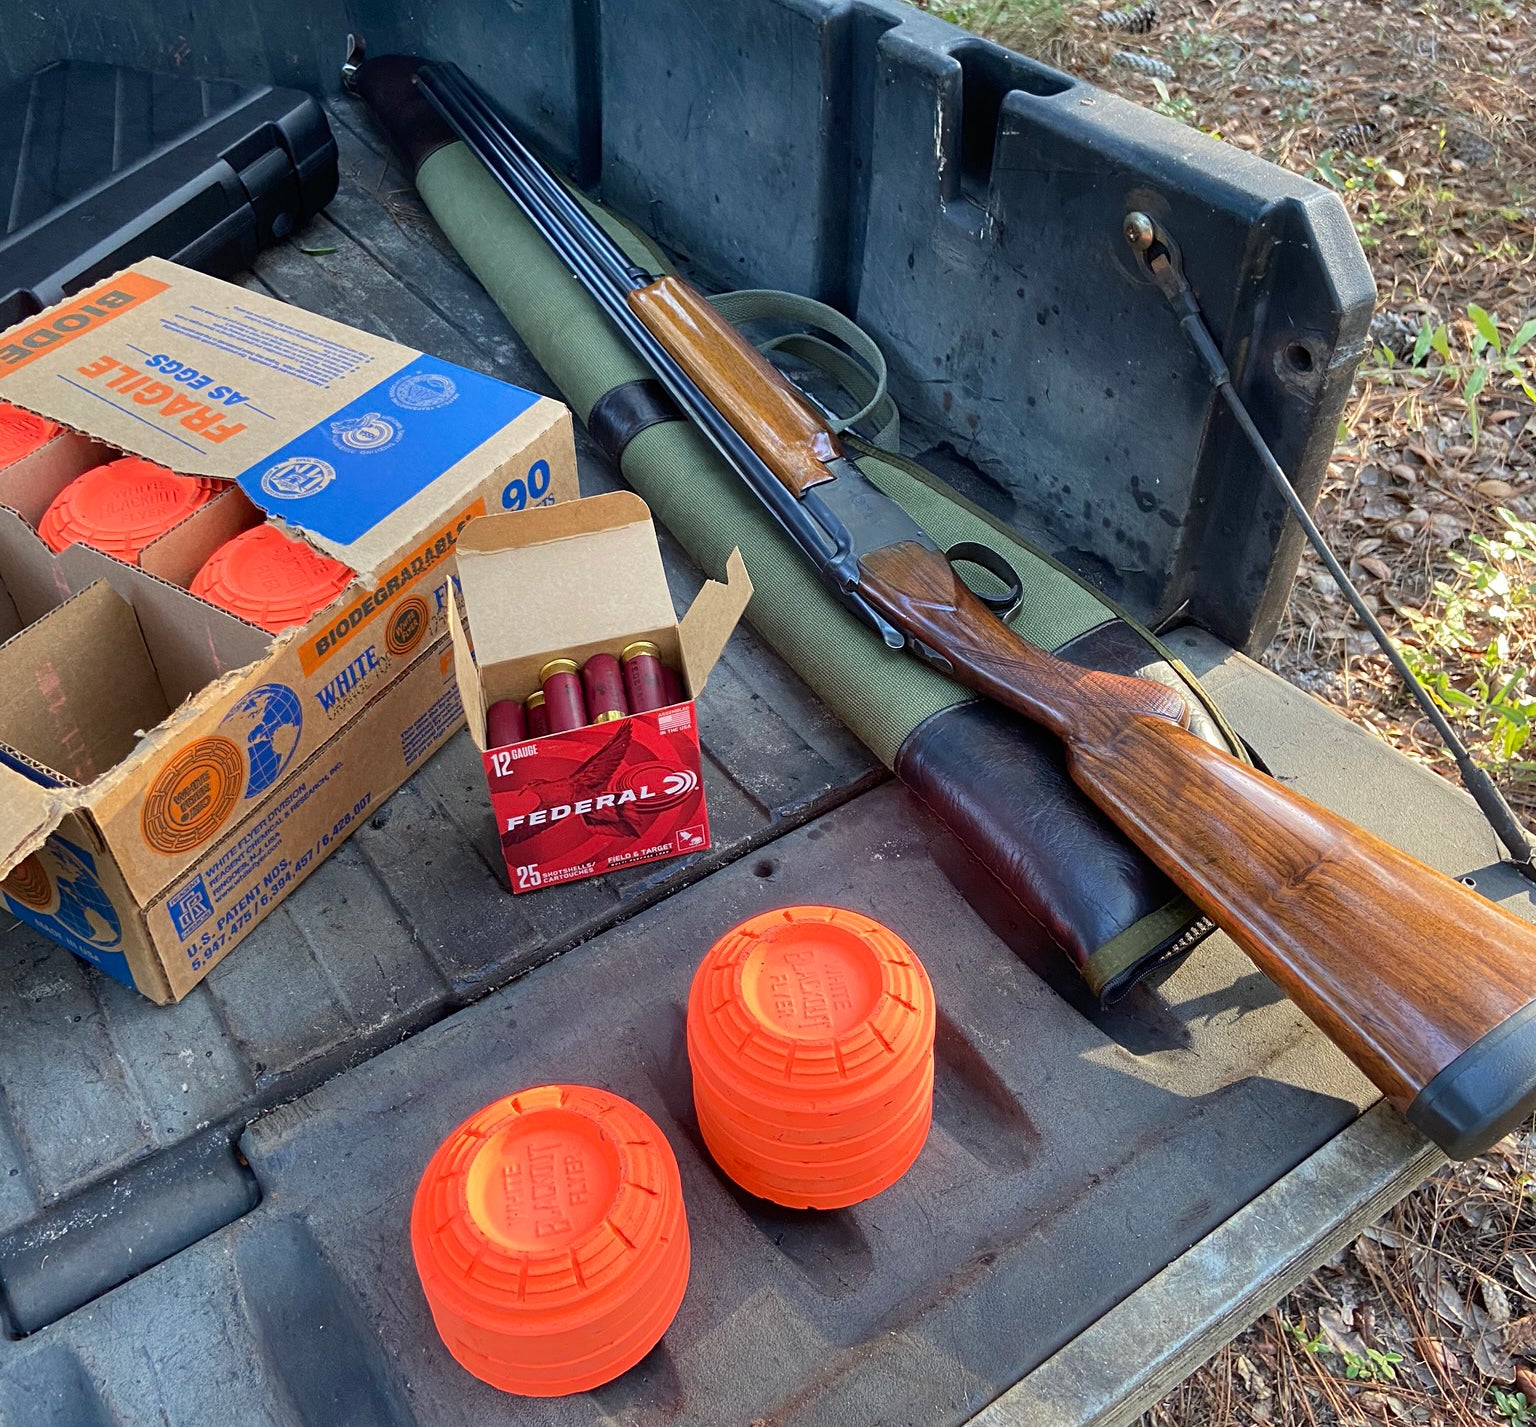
<point x="1427" y="986"/>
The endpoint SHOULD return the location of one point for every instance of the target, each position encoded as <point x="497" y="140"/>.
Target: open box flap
<point x="533" y="594"/>
<point x="467" y="677"/>
<point x="28" y="814"/>
<point x="342" y="435"/>
<point x="711" y="617"/>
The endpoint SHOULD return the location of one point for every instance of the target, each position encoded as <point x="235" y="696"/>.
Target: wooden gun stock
<point x="1428" y="987"/>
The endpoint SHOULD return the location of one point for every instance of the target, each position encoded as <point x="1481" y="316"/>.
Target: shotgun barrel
<point x="1427" y="986"/>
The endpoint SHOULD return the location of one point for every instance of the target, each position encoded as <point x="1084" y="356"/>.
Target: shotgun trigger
<point x="357" y="51"/>
<point x="930" y="656"/>
<point x="893" y="637"/>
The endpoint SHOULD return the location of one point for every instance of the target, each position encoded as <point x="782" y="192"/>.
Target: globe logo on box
<point x="268" y="721"/>
<point x="71" y="902"/>
<point x="297" y="477"/>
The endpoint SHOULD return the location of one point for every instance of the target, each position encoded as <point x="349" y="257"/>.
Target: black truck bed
<point x="203" y="1208"/>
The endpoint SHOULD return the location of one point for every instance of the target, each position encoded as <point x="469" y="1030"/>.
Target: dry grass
<point x="1423" y="116"/>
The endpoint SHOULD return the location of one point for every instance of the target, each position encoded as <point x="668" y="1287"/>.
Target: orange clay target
<point x="120" y="507"/>
<point x="270" y="579"/>
<point x="21" y="433"/>
<point x="549" y="1235"/>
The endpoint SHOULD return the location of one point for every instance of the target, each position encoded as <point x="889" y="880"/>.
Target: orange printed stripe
<point x="428" y="558"/>
<point x="71" y="319"/>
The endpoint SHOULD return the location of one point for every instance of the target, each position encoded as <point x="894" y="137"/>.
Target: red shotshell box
<point x="568" y="582"/>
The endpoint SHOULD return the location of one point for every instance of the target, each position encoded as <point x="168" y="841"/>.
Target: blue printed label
<point x="190" y="907"/>
<point x="57" y="891"/>
<point x="362" y="463"/>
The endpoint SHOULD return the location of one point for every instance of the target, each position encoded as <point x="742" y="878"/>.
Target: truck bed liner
<point x="203" y="1208"/>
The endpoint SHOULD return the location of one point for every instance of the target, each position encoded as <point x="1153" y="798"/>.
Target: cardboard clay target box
<point x="169" y="772"/>
<point x="572" y="581"/>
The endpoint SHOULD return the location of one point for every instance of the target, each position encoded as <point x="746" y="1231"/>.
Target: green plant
<point x="1490" y="357"/>
<point x="1373" y="1365"/>
<point x="1360" y="178"/>
<point x="1485" y="361"/>
<point x="1298" y="1332"/>
<point x="1467" y="654"/>
<point x="1513" y="1407"/>
<point x="1028" y="25"/>
<point x="1172" y="106"/>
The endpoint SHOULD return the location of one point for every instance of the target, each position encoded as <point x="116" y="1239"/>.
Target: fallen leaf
<point x="1523" y="1266"/>
<point x="1252" y="1379"/>
<point x="1495" y="1300"/>
<point x="1449" y="1304"/>
<point x="1369" y="1256"/>
<point x="1525" y="1381"/>
<point x="1340" y="1328"/>
<point x="1444" y="528"/>
<point x="1373" y="565"/>
<point x="1440" y="1357"/>
<point x="1495" y="490"/>
<point x="1520" y="1339"/>
<point x="1490" y="1357"/>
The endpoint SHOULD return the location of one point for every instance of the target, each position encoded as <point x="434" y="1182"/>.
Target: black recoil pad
<point x="1484" y="1093"/>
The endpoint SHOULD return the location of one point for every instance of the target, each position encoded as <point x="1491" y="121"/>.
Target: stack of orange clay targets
<point x="550" y="1239"/>
<point x="810" y="1035"/>
<point x="548" y="1229"/>
<point x="267" y="578"/>
<point x="21" y="433"/>
<point x="270" y="579"/>
<point x="120" y="507"/>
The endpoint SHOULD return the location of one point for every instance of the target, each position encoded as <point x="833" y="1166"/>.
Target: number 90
<point x="527" y="490"/>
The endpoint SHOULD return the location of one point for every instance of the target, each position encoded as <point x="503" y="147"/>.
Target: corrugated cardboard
<point x="144" y="733"/>
<point x="571" y="581"/>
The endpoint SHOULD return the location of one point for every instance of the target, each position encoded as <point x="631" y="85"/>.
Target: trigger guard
<point x="986" y="558"/>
